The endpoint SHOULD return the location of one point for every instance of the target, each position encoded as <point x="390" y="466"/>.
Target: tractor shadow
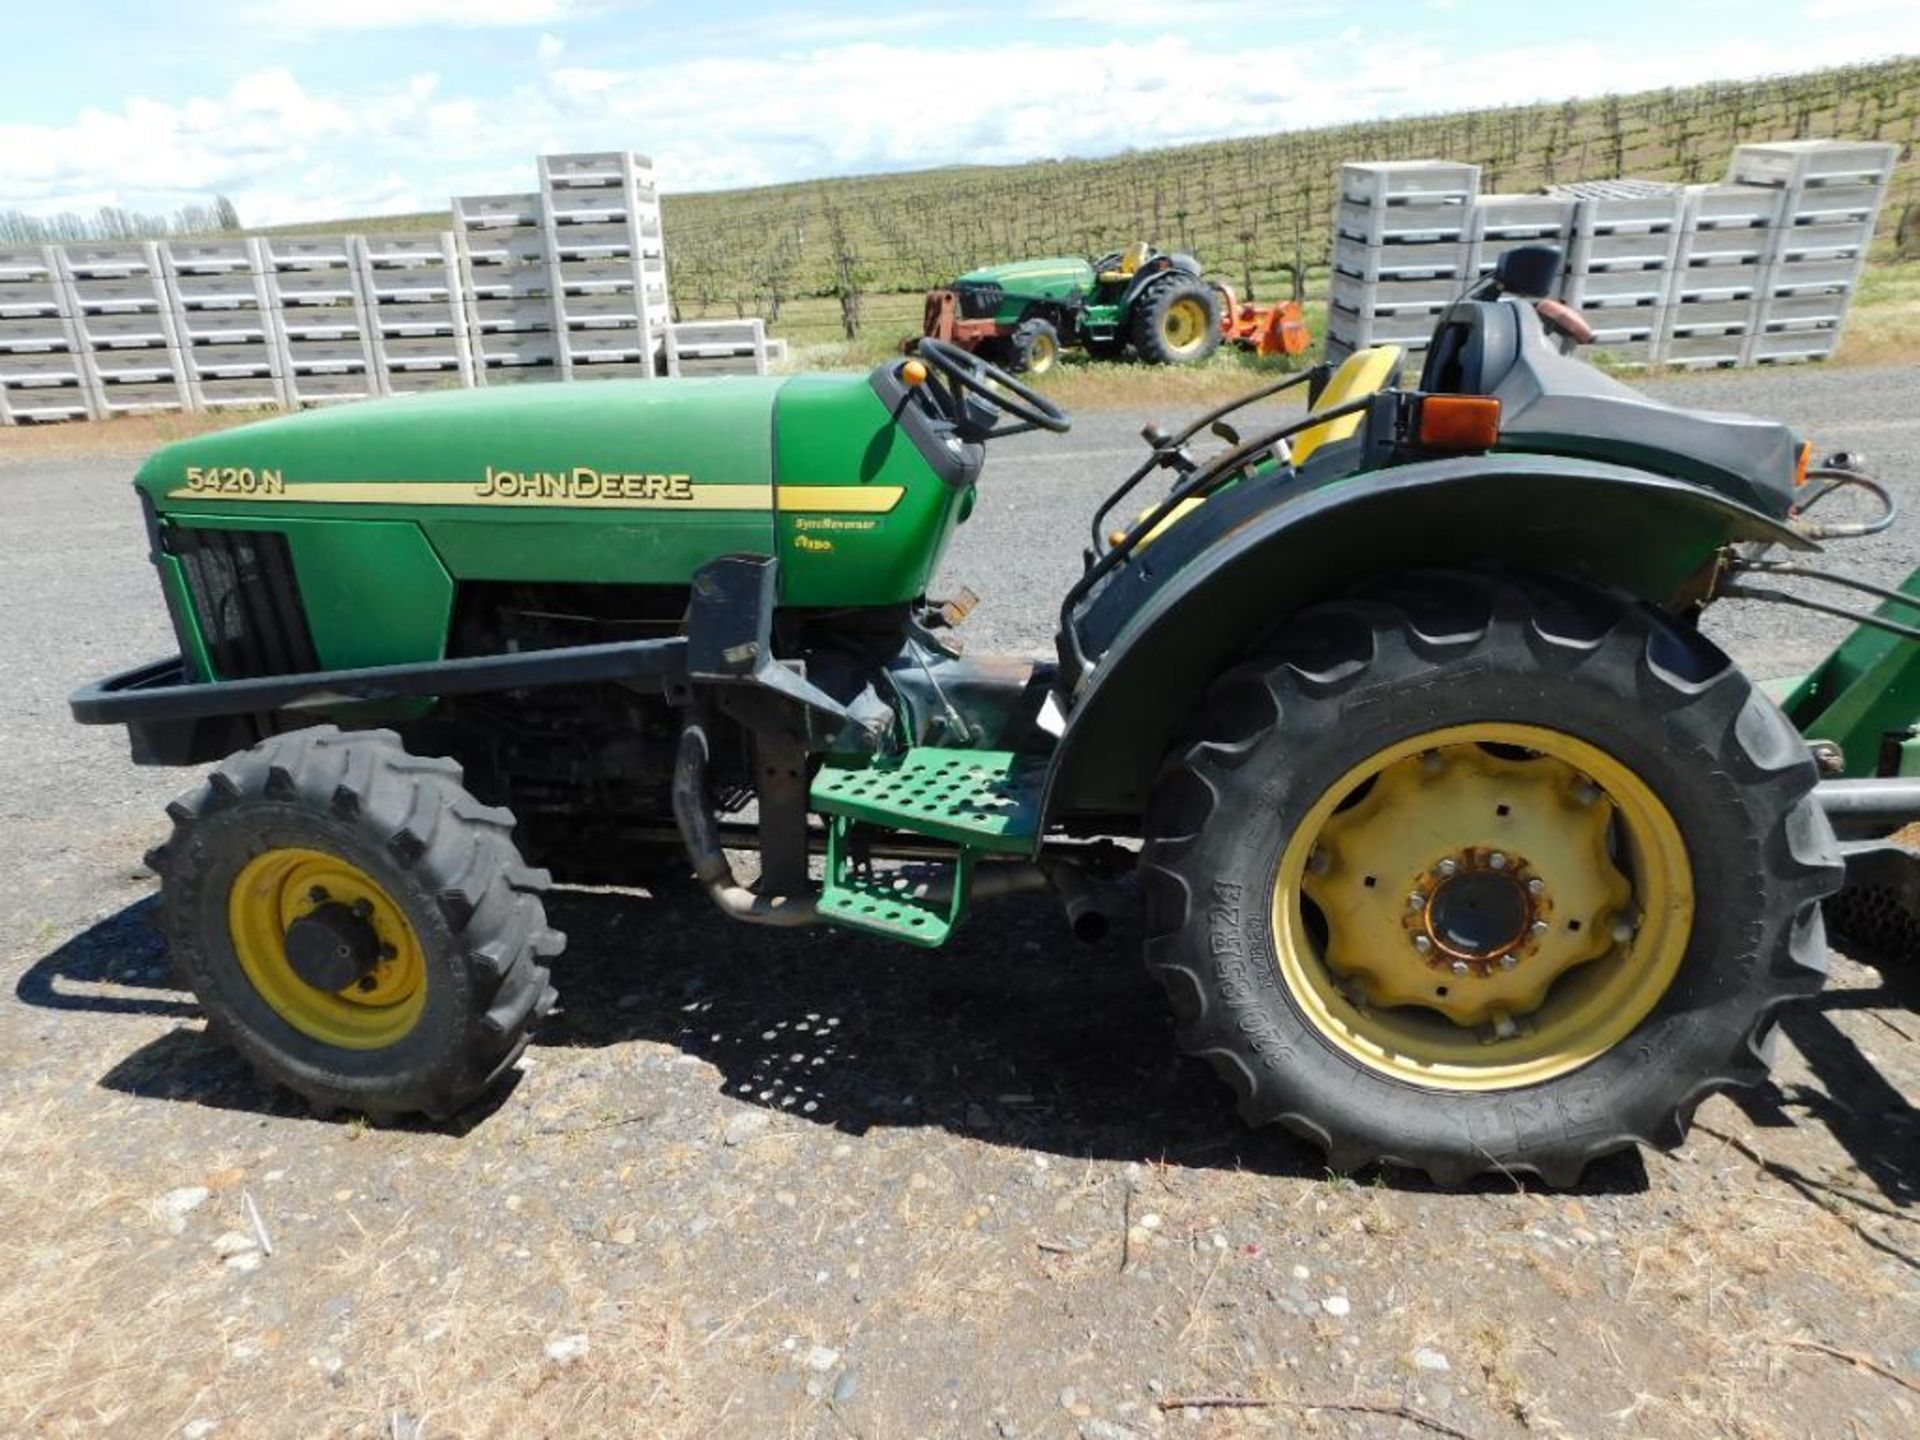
<point x="1014" y="1034"/>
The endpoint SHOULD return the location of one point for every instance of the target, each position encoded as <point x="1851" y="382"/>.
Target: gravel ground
<point x="818" y="1185"/>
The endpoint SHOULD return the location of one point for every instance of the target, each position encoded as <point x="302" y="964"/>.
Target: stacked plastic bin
<point x="1713" y="290"/>
<point x="223" y="311"/>
<point x="326" y="347"/>
<point x="507" y="279"/>
<point x="600" y="215"/>
<point x="1500" y="223"/>
<point x="41" y="376"/>
<point x="418" y="325"/>
<point x="1830" y="193"/>
<point x="1401" y="251"/>
<point x="1620" y="256"/>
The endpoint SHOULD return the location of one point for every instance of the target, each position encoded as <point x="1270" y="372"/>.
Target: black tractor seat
<point x="1561" y="404"/>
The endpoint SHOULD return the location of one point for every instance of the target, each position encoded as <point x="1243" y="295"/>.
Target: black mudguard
<point x="1186" y="608"/>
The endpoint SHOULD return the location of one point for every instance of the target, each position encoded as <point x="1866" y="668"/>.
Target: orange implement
<point x="1276" y="330"/>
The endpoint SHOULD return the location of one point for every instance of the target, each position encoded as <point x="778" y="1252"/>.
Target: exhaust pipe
<point x="694" y="814"/>
<point x="1087" y="914"/>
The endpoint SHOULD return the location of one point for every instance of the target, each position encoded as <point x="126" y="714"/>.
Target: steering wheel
<point x="968" y="371"/>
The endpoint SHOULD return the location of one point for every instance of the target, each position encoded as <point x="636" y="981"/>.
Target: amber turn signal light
<point x="1801" y="464"/>
<point x="1459" y="422"/>
<point x="914" y="372"/>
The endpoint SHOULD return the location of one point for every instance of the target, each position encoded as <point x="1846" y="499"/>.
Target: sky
<point x="306" y="110"/>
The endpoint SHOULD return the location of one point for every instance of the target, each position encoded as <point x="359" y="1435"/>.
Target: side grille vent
<point x="246" y="599"/>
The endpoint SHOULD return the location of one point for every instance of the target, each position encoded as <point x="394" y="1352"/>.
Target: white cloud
<point x="317" y="15"/>
<point x="781" y="112"/>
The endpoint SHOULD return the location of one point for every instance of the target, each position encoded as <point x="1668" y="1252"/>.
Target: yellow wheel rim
<point x="281" y="886"/>
<point x="1185" y="325"/>
<point x="1041" y="354"/>
<point x="1483" y="907"/>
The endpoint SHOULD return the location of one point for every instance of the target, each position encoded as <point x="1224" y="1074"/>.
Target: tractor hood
<point x="613" y="482"/>
<point x="1051" y="279"/>
<point x="611" y="445"/>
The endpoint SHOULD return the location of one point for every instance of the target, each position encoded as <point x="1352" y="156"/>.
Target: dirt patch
<point x="813" y="1185"/>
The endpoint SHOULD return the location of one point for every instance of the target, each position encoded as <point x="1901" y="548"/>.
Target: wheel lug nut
<point x="1422" y="944"/>
<point x="363" y="908"/>
<point x="1586" y="792"/>
<point x="1459" y="967"/>
<point x="318" y="894"/>
<point x="1447" y="867"/>
<point x="1497" y="860"/>
<point x="367" y="982"/>
<point x="1536" y="885"/>
<point x="1541" y="927"/>
<point x="1622" y="932"/>
<point x="1508" y="961"/>
<point x="1318" y="863"/>
<point x="1433" y="762"/>
<point x="1416" y="901"/>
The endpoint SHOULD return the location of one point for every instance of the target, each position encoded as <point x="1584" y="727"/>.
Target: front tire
<point x="1177" y="322"/>
<point x="358" y="926"/>
<point x="1036" y="347"/>
<point x="1475" y="875"/>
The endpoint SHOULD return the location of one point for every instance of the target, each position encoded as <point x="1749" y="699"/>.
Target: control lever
<point x="1226" y="432"/>
<point x="1166" y="453"/>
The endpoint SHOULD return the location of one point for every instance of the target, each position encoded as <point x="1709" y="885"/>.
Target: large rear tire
<point x="358" y="926"/>
<point x="1472" y="875"/>
<point x="1177" y="322"/>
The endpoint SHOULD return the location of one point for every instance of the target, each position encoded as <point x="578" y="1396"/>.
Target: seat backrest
<point x="1360" y="374"/>
<point x="1134" y="256"/>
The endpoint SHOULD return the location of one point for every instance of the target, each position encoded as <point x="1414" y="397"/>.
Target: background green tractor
<point x="1443" y="862"/>
<point x="1019" y="315"/>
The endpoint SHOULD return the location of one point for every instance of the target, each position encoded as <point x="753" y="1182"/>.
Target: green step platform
<point x="981" y="801"/>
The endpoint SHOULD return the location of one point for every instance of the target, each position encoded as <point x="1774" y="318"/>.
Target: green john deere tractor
<point x="1020" y="315"/>
<point x="1460" y="847"/>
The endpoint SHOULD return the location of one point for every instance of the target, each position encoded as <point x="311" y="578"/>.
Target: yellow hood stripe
<point x="815" y="499"/>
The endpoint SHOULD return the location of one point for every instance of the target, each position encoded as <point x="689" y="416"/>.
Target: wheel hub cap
<point x="1467" y="880"/>
<point x="333" y="946"/>
<point x="1478" y="916"/>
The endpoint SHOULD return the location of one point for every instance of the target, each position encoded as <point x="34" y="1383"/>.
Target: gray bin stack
<point x="1713" y="290"/>
<point x="1401" y="251"/>
<point x="600" y="215"/>
<point x="324" y="334"/>
<point x="410" y="287"/>
<point x="224" y="314"/>
<point x="1830" y="193"/>
<point x="1619" y="262"/>
<point x="130" y="355"/>
<point x="508" y="287"/>
<point x="40" y="364"/>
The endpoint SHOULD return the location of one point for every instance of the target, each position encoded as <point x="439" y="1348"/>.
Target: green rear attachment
<point x="1865" y="696"/>
<point x="982" y="801"/>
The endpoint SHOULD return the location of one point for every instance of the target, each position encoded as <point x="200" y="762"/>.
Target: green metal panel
<point x="1866" y="691"/>
<point x="841" y="451"/>
<point x="353" y="572"/>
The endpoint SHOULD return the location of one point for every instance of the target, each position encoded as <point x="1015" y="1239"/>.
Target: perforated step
<point x="985" y="800"/>
<point x="890" y="904"/>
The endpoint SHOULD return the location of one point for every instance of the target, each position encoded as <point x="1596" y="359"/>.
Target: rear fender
<point x="1202" y="600"/>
